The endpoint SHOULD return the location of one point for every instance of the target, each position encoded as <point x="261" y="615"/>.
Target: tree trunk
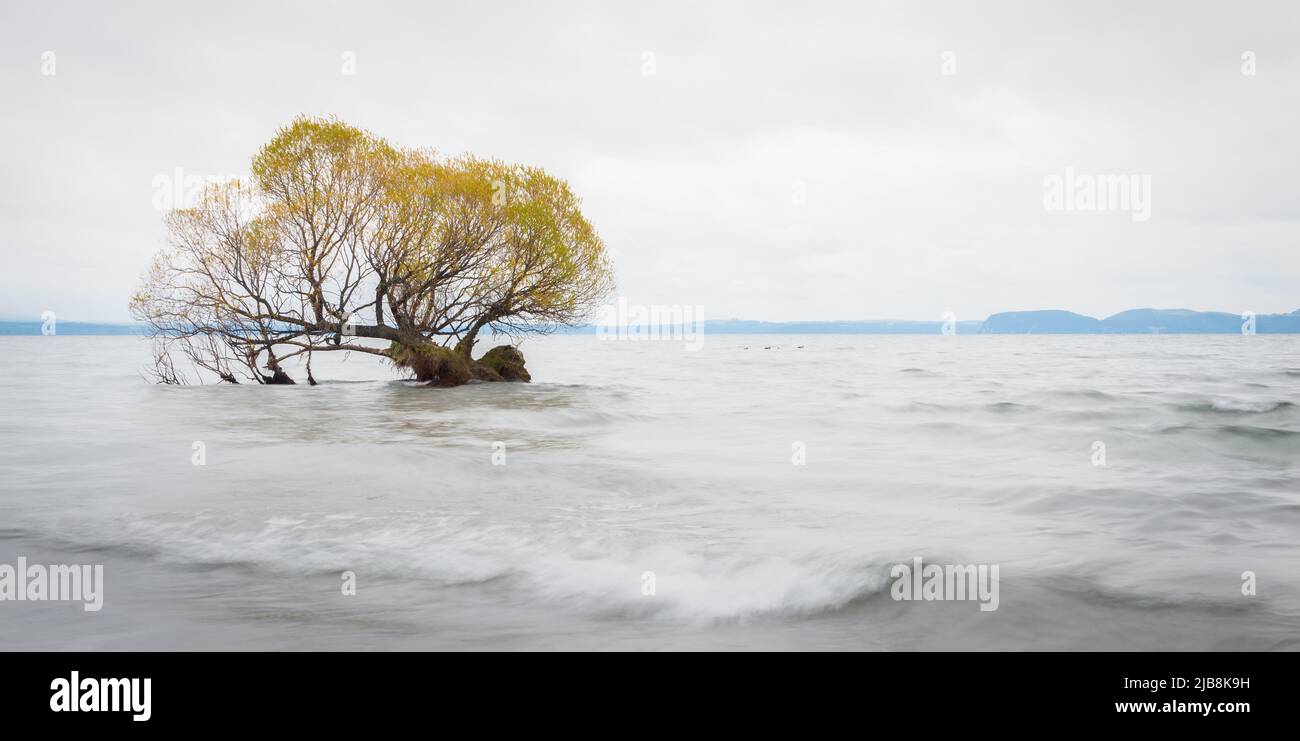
<point x="466" y="346"/>
<point x="431" y="363"/>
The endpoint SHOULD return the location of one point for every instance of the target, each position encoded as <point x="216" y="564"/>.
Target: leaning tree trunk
<point x="431" y="363"/>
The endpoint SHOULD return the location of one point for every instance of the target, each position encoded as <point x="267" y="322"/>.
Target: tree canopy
<point x="340" y="237"/>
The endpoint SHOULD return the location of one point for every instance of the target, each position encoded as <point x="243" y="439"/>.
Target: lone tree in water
<point x="341" y="237"/>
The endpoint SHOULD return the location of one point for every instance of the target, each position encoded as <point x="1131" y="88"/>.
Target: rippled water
<point x="625" y="458"/>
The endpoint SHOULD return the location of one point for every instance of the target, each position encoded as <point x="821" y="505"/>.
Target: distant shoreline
<point x="1133" y="321"/>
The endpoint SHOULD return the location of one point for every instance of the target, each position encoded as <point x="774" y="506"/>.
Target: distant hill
<point x="33" y="327"/>
<point x="1050" y="321"/>
<point x="1136" y="321"/>
<point x="869" y="326"/>
<point x="863" y="326"/>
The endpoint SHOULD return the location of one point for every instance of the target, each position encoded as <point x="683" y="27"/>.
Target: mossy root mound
<point x="507" y="362"/>
<point x="441" y="366"/>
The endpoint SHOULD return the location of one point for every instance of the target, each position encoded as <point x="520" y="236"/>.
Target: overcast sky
<point x="766" y="161"/>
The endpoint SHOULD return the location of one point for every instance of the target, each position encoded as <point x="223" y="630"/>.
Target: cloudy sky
<point x="768" y="161"/>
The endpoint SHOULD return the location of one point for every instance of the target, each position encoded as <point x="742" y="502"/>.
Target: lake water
<point x="649" y="496"/>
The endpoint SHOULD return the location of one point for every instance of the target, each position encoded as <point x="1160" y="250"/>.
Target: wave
<point x="1003" y="407"/>
<point x="1248" y="432"/>
<point x="1234" y="407"/>
<point x="1092" y="394"/>
<point x="593" y="576"/>
<point x="1092" y="591"/>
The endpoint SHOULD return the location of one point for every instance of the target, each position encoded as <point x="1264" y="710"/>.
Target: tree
<point x="340" y="238"/>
